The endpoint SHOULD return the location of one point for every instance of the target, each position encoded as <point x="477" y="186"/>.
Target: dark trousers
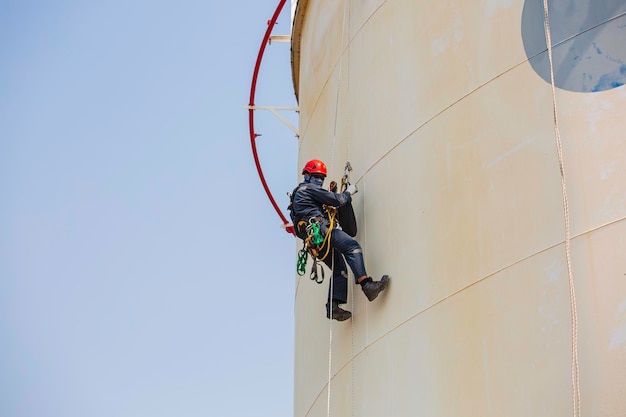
<point x="344" y="249"/>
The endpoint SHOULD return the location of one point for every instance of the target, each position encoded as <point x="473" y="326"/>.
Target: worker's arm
<point x="331" y="199"/>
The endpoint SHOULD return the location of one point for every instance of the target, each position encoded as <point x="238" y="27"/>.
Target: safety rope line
<point x="330" y="334"/>
<point x="353" y="370"/>
<point x="352" y="342"/>
<point x="559" y="147"/>
<point x="348" y="140"/>
<point x="349" y="82"/>
<point x="339" y="76"/>
<point x="332" y="165"/>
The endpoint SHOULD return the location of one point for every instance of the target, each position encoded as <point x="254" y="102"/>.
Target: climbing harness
<point x="316" y="244"/>
<point x="331" y="212"/>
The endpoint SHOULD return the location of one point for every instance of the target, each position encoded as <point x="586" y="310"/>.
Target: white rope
<point x="330" y="331"/>
<point x="348" y="141"/>
<point x="559" y="146"/>
<point x="340" y="69"/>
<point x="348" y="138"/>
<point x="349" y="93"/>
<point x="352" y="330"/>
<point x="353" y="369"/>
<point x="332" y="165"/>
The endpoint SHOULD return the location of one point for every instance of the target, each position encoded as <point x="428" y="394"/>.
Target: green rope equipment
<point x="303" y="256"/>
<point x="317" y="238"/>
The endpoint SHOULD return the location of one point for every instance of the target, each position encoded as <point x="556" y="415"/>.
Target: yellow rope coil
<point x="331" y="211"/>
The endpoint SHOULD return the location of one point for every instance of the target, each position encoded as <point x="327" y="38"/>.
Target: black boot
<point x="371" y="289"/>
<point x="339" y="313"/>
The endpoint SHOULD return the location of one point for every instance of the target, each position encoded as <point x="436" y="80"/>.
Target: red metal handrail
<point x="253" y="135"/>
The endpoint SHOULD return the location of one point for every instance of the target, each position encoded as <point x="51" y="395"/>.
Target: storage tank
<point x="491" y="167"/>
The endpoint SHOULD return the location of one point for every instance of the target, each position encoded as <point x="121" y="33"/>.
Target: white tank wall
<point x="450" y="132"/>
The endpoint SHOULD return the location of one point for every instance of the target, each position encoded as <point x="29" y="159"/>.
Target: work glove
<point x="352" y="189"/>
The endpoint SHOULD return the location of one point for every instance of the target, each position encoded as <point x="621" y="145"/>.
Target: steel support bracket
<point x="274" y="110"/>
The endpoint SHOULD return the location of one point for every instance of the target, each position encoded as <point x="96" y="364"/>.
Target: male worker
<point x="307" y="205"/>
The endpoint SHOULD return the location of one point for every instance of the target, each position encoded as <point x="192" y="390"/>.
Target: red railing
<point x="253" y="135"/>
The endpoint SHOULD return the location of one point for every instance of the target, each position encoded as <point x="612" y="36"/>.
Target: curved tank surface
<point x="445" y="110"/>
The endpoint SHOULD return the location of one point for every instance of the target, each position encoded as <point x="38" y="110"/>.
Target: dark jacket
<point x="307" y="201"/>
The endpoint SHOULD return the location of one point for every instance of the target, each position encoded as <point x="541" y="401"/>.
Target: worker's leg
<point x="338" y="288"/>
<point x="353" y="253"/>
<point x="351" y="250"/>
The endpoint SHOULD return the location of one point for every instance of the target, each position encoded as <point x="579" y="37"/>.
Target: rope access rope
<point x="330" y="337"/>
<point x="346" y="7"/>
<point x="348" y="144"/>
<point x="332" y="164"/>
<point x="559" y="147"/>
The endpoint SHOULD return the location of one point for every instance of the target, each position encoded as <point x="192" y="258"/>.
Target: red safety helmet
<point x="314" y="166"/>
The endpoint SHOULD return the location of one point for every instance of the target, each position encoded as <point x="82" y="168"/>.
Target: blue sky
<point x="143" y="271"/>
